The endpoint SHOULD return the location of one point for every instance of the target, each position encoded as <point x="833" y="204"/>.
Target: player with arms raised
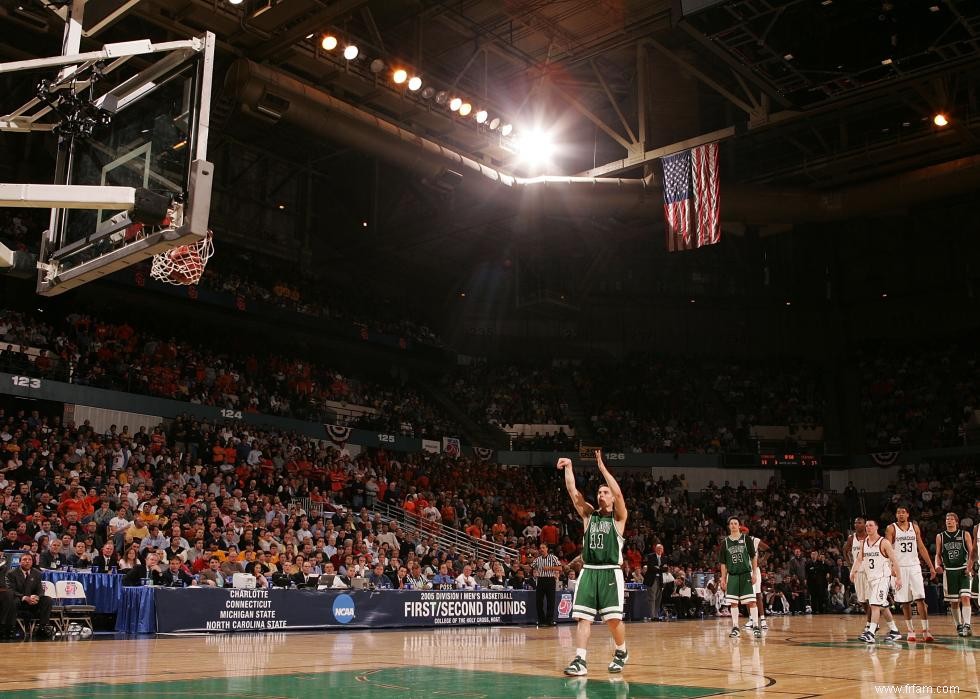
<point x="601" y="587"/>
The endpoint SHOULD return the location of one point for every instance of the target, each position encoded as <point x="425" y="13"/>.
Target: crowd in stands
<point x="94" y="352"/>
<point x="922" y="399"/>
<point x="654" y="405"/>
<point x="509" y="394"/>
<point x="319" y="299"/>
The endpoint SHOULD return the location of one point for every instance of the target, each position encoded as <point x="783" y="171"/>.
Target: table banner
<point x="189" y="610"/>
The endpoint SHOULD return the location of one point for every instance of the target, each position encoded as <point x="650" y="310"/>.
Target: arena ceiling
<point x="803" y="94"/>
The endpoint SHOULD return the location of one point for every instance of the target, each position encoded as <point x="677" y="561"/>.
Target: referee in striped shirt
<point x="546" y="570"/>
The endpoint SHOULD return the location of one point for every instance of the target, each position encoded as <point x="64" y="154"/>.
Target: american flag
<point x="691" y="200"/>
<point x="451" y="446"/>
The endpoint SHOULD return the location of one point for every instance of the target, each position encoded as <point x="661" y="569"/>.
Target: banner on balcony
<point x="338" y="434"/>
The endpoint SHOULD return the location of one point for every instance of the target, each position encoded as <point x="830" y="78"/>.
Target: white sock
<point x="966" y="610"/>
<point x="955" y="608"/>
<point x="925" y="624"/>
<point x="621" y="648"/>
<point x="873" y="628"/>
<point x="908" y="623"/>
<point x="892" y="626"/>
<point x="754" y="615"/>
<point x="580" y="652"/>
<point x="734" y="613"/>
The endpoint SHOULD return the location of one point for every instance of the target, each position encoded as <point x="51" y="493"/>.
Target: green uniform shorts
<point x="599" y="592"/>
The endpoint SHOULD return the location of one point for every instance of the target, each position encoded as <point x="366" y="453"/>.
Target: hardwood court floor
<point x="799" y="657"/>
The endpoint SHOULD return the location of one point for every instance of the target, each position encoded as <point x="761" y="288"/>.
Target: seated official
<point x="25" y="583"/>
<point x="53" y="558"/>
<point x="465" y="580"/>
<point x="443" y="580"/>
<point x="176" y="575"/>
<point x="340" y="582"/>
<point x="304" y="576"/>
<point x="378" y="579"/>
<point x="80" y="558"/>
<point x="143" y="571"/>
<point x="258" y="572"/>
<point x="417" y="579"/>
<point x="105" y="559"/>
<point x="212" y="575"/>
<point x="519" y="581"/>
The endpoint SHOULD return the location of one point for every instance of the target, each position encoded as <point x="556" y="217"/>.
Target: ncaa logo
<point x="343" y="609"/>
<point x="565" y="606"/>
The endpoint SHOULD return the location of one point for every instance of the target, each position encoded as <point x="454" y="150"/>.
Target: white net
<point x="184" y="264"/>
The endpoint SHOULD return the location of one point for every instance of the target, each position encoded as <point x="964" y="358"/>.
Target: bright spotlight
<point x="494" y="123"/>
<point x="455" y="103"/>
<point x="940" y="119"/>
<point x="506" y="129"/>
<point x="465" y="108"/>
<point x="441" y="97"/>
<point x="535" y="148"/>
<point x="350" y="52"/>
<point x="481" y="116"/>
<point x="329" y="42"/>
<point x="235" y="2"/>
<point x="427" y="93"/>
<point x="414" y="83"/>
<point x="399" y="76"/>
<point x="377" y="65"/>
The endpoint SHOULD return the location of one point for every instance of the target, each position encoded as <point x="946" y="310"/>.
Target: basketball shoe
<point x="577" y="667"/>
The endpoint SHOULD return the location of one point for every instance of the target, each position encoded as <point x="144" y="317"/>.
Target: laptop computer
<point x="326" y="581"/>
<point x="358" y="583"/>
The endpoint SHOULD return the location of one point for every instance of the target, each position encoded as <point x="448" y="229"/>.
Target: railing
<point x="444" y="536"/>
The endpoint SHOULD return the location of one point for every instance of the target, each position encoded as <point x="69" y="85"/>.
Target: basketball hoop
<point x="184" y="264"/>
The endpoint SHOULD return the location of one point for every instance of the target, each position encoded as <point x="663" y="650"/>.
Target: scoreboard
<point x="788" y="459"/>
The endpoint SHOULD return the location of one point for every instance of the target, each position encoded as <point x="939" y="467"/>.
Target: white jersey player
<point x="855" y="542"/>
<point x="877" y="559"/>
<point x="760" y="602"/>
<point x="906" y="539"/>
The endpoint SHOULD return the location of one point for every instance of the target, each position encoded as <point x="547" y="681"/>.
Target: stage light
<point x="235" y="2"/>
<point x="427" y="93"/>
<point x="441" y="97"/>
<point x="377" y="65"/>
<point x="481" y="116"/>
<point x="506" y="129"/>
<point x="414" y="83"/>
<point x="329" y="42"/>
<point x="455" y="104"/>
<point x="940" y="119"/>
<point x="465" y="108"/>
<point x="399" y="76"/>
<point x="535" y="148"/>
<point x="494" y="123"/>
<point x="350" y="53"/>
